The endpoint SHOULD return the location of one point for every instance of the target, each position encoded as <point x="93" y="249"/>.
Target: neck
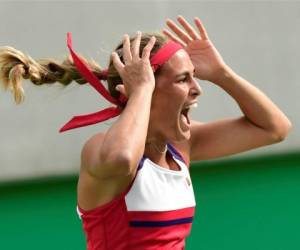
<point x="156" y="150"/>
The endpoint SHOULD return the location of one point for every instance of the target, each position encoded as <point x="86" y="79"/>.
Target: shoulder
<point x="91" y="145"/>
<point x="94" y="190"/>
<point x="95" y="140"/>
<point x="90" y="149"/>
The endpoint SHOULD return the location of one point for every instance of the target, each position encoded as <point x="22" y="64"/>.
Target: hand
<point x="136" y="73"/>
<point x="206" y="59"/>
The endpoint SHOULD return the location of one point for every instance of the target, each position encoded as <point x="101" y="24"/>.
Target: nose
<point x="195" y="89"/>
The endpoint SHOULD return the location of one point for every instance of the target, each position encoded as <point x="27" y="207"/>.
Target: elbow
<point x="281" y="132"/>
<point x="119" y="163"/>
<point x="125" y="162"/>
<point x="129" y="163"/>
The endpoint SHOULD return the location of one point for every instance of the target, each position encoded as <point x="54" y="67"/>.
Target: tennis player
<point x="134" y="188"/>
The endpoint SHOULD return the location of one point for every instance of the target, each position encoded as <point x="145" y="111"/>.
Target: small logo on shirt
<point x="188" y="181"/>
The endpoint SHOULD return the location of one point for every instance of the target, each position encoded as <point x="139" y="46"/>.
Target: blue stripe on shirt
<point x="160" y="223"/>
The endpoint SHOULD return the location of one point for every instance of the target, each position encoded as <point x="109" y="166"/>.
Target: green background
<point x="242" y="203"/>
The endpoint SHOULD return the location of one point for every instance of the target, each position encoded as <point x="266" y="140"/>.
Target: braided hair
<point x="15" y="66"/>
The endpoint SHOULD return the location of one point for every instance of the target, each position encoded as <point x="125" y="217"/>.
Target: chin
<point x="180" y="135"/>
<point x="184" y="135"/>
<point x="177" y="131"/>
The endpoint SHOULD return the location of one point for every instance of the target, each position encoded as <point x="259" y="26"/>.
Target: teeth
<point x="187" y="109"/>
<point x="195" y="105"/>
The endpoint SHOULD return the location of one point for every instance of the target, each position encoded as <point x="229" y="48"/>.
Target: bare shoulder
<point x="90" y="149"/>
<point x="93" y="191"/>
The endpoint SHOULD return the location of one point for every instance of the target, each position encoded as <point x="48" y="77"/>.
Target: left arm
<point x="263" y="122"/>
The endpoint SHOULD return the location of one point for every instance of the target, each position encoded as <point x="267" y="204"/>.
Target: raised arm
<point x="119" y="150"/>
<point x="263" y="122"/>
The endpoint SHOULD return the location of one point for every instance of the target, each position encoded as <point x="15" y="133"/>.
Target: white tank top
<point x="159" y="189"/>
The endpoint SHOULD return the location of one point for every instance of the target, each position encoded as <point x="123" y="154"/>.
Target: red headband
<point x="162" y="55"/>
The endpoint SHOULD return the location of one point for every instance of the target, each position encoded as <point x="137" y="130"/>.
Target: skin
<point x="109" y="160"/>
<point x="175" y="88"/>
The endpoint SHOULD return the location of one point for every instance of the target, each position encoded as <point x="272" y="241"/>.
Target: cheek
<point x="163" y="113"/>
<point x="168" y="112"/>
<point x="167" y="103"/>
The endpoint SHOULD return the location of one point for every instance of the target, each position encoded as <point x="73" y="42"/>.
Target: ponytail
<point x="16" y="66"/>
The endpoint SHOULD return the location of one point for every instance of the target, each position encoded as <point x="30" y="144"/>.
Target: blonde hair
<point x="15" y="66"/>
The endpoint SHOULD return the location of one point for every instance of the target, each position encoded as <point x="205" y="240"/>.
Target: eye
<point x="183" y="80"/>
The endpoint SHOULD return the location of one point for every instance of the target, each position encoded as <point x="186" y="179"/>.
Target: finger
<point x="147" y="49"/>
<point x="126" y="49"/>
<point x="178" y="31"/>
<point x="201" y="28"/>
<point x="190" y="30"/>
<point x="136" y="45"/>
<point x="172" y="37"/>
<point x="121" y="89"/>
<point x="117" y="62"/>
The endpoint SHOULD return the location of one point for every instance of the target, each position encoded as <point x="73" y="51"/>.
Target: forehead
<point x="177" y="64"/>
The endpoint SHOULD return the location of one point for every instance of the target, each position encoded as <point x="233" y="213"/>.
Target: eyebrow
<point x="184" y="73"/>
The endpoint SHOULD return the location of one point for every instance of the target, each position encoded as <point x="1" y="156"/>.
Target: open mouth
<point x="184" y="115"/>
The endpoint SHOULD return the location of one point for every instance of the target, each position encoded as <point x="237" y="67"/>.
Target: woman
<point x="134" y="188"/>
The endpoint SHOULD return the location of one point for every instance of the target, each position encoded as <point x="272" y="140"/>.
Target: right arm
<point x="124" y="143"/>
<point x="119" y="150"/>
